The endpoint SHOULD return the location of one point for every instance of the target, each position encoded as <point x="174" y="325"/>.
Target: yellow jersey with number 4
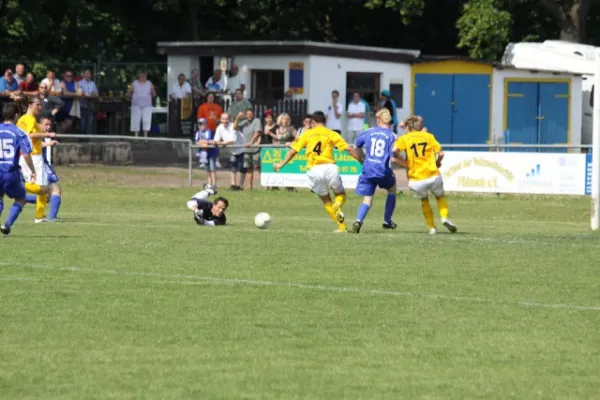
<point x="421" y="149"/>
<point x="319" y="143"/>
<point x="28" y="124"/>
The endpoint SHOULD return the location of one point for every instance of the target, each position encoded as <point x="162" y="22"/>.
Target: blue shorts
<point x="367" y="186"/>
<point x="52" y="177"/>
<point x="211" y="164"/>
<point x="12" y="185"/>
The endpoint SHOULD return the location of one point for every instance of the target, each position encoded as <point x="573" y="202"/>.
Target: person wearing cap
<point x="8" y="84"/>
<point x="204" y="137"/>
<point x="389" y="103"/>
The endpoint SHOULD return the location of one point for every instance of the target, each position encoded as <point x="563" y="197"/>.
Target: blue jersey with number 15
<point x="13" y="141"/>
<point x="378" y="145"/>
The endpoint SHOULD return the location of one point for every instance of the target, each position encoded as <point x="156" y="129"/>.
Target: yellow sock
<point x="443" y="206"/>
<point x="340" y="199"/>
<point x="40" y="206"/>
<point x="331" y="211"/>
<point x="32" y="188"/>
<point x="427" y="213"/>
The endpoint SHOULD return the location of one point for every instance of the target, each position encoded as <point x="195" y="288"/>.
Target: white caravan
<point x="559" y="56"/>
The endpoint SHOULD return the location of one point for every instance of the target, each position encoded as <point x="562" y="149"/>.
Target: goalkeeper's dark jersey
<point x="207" y="206"/>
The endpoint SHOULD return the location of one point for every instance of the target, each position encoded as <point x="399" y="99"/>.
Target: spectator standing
<point x="226" y="135"/>
<point x="215" y="83"/>
<point x="285" y="132"/>
<point x="197" y="86"/>
<point x="51" y="104"/>
<point x="306" y="125"/>
<point x="181" y="89"/>
<point x="388" y="102"/>
<point x="29" y="87"/>
<point x="89" y="92"/>
<point x="334" y="113"/>
<point x="19" y="73"/>
<point x="235" y="82"/>
<point x="204" y="137"/>
<point x="142" y="92"/>
<point x="53" y="84"/>
<point x="251" y="128"/>
<point x="239" y="104"/>
<point x="210" y="111"/>
<point x="356" y="115"/>
<point x="367" y="111"/>
<point x="8" y="84"/>
<point x="71" y="111"/>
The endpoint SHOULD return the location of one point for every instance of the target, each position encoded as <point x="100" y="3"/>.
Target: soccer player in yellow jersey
<point x="29" y="124"/>
<point x="322" y="172"/>
<point x="423" y="158"/>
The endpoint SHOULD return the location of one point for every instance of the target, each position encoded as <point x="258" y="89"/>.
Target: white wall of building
<point x="498" y="81"/>
<point x="329" y="73"/>
<point x="178" y="65"/>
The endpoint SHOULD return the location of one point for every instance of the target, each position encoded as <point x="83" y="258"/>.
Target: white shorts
<point x="141" y="115"/>
<point x="41" y="175"/>
<point x="422" y="188"/>
<point x="323" y="178"/>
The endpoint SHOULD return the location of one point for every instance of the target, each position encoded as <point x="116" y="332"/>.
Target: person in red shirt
<point x="211" y="112"/>
<point x="29" y="86"/>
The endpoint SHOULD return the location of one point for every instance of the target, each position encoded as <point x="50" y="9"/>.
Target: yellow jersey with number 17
<point x="319" y="143"/>
<point x="421" y="149"/>
<point x="29" y="125"/>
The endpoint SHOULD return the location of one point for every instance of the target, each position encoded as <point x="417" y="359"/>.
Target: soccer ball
<point x="262" y="220"/>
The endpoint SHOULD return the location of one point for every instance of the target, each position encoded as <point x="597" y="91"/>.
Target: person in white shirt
<point x="356" y="118"/>
<point x="334" y="113"/>
<point x="181" y="89"/>
<point x="225" y="135"/>
<point x="235" y="81"/>
<point x="53" y="84"/>
<point x="215" y="83"/>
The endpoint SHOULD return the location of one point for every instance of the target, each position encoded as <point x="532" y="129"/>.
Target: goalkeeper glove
<point x="199" y="217"/>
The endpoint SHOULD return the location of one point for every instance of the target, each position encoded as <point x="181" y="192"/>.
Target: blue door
<point x="553" y="114"/>
<point x="522" y="112"/>
<point x="471" y="109"/>
<point x="433" y="101"/>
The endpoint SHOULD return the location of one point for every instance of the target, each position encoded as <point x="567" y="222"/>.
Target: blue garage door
<point x="456" y="108"/>
<point x="433" y="99"/>
<point x="537" y="113"/>
<point x="522" y="112"/>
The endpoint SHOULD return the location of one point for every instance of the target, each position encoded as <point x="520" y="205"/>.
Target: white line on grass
<point x="200" y="280"/>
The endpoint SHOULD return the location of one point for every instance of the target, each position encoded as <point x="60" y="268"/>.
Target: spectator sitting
<point x="215" y="83"/>
<point x="239" y="104"/>
<point x="51" y="105"/>
<point x="19" y="73"/>
<point x="210" y="111"/>
<point x="29" y="86"/>
<point x="204" y="137"/>
<point x="8" y="85"/>
<point x="181" y="89"/>
<point x="53" y="84"/>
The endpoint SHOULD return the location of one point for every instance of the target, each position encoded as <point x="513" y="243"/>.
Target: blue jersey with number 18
<point x="378" y="145"/>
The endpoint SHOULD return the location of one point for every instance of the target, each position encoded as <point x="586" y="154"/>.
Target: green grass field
<point x="129" y="298"/>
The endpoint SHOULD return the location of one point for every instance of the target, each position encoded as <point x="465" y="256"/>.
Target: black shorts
<point x="238" y="163"/>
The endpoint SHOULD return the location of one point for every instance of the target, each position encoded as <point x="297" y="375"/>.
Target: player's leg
<point x="319" y="185"/>
<point x="389" y="184"/>
<point x="42" y="198"/>
<point x="421" y="189"/>
<point x="55" y="201"/>
<point x="364" y="188"/>
<point x="437" y="188"/>
<point x="15" y="189"/>
<point x="334" y="183"/>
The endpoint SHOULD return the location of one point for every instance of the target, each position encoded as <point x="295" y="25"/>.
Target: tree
<point x="571" y="16"/>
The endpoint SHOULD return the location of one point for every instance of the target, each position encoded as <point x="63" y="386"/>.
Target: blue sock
<point x="54" y="205"/>
<point x="30" y="198"/>
<point x="390" y="206"/>
<point x="13" y="214"/>
<point x="363" y="210"/>
<point x="1" y="206"/>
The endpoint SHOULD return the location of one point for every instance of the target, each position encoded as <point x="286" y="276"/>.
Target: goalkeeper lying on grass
<point x="205" y="212"/>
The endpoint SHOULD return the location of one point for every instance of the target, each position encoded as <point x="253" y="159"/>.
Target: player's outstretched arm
<point x="356" y="153"/>
<point x="290" y="154"/>
<point x="439" y="158"/>
<point x="399" y="160"/>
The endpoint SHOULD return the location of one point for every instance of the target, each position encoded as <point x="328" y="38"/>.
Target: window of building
<point x="365" y="83"/>
<point x="268" y="84"/>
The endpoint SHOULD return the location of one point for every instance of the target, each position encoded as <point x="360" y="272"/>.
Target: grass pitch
<point x="129" y="298"/>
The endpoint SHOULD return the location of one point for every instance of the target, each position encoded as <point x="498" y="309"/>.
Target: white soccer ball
<point x="262" y="220"/>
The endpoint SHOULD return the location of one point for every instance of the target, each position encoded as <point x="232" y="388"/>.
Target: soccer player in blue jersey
<point x="13" y="144"/>
<point x="378" y="146"/>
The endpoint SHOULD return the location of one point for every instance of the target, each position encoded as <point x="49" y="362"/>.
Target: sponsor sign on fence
<point x="294" y="173"/>
<point x="526" y="173"/>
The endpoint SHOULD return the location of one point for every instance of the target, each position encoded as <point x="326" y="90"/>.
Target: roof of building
<point x="286" y="47"/>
